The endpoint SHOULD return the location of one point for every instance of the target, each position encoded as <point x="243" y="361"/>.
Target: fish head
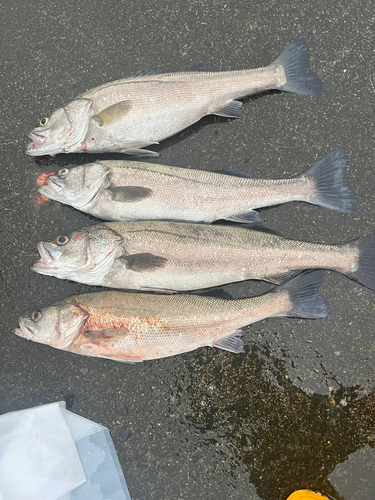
<point x="62" y="132"/>
<point x="83" y="256"/>
<point x="57" y="326"/>
<point x="76" y="186"/>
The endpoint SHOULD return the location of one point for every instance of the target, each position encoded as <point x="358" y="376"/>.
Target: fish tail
<point x="365" y="272"/>
<point x="305" y="300"/>
<point x="295" y="62"/>
<point x="330" y="190"/>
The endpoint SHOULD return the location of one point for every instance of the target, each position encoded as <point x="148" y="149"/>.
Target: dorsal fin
<point x="235" y="172"/>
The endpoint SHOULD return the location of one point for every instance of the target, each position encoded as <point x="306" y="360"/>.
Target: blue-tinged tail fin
<point x="305" y="300"/>
<point x="295" y="62"/>
<point x="330" y="190"/>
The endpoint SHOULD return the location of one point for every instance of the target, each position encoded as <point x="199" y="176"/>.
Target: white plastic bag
<point x="49" y="453"/>
<point x="105" y="480"/>
<point x="38" y="456"/>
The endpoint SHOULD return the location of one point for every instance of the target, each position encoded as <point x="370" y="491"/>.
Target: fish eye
<point x="62" y="240"/>
<point x="43" y="122"/>
<point x="36" y="315"/>
<point x="63" y="173"/>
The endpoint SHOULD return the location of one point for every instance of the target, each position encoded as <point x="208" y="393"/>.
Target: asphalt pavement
<point x="296" y="410"/>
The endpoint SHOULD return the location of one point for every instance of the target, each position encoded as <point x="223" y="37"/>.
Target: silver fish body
<point x="124" y="190"/>
<point x="162" y="255"/>
<point x="126" y="115"/>
<point x="134" y="327"/>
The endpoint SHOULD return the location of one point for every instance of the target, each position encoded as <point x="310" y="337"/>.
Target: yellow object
<point x="305" y="495"/>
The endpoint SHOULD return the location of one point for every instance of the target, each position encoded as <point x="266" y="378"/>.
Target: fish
<point x="131" y="190"/>
<point x="127" y="115"/>
<point x="180" y="256"/>
<point x="133" y="327"/>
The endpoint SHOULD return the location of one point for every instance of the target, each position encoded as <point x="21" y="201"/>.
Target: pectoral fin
<point x="113" y="114"/>
<point x="95" y="344"/>
<point x="129" y="193"/>
<point x="99" y="336"/>
<point x="142" y="262"/>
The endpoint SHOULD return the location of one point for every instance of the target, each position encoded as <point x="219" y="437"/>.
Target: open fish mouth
<point x="54" y="182"/>
<point x="27" y="332"/>
<point x="48" y="255"/>
<point x="38" y="138"/>
<point x="51" y="185"/>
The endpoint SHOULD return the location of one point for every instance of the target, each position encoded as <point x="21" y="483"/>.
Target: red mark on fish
<point x="40" y="199"/>
<point x="41" y="180"/>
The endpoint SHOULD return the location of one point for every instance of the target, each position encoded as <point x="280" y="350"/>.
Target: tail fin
<point x="295" y="61"/>
<point x="304" y="297"/>
<point x="365" y="273"/>
<point x="328" y="175"/>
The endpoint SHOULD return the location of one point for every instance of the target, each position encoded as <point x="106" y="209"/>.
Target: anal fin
<point x="250" y="217"/>
<point x="232" y="343"/>
<point x="231" y="110"/>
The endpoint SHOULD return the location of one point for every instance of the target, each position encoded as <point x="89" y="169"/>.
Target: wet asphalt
<point x="297" y="409"/>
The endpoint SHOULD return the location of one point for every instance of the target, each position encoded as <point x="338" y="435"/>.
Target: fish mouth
<point x="54" y="182"/>
<point x="38" y="138"/>
<point x="48" y="256"/>
<point x="51" y="187"/>
<point x="25" y="331"/>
